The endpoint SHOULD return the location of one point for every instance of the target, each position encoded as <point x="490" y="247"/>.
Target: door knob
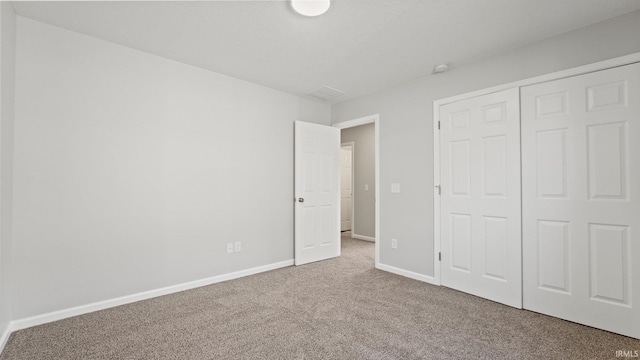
<point x="300" y="199"/>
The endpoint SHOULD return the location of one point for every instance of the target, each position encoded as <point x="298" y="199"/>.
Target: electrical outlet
<point x="229" y="248"/>
<point x="238" y="246"/>
<point x="395" y="188"/>
<point x="394" y="243"/>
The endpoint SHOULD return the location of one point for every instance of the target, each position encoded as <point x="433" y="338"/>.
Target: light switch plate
<point x="395" y="188"/>
<point x="366" y="187"/>
<point x="229" y="248"/>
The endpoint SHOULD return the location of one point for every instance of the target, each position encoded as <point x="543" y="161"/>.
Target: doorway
<point x="317" y="213"/>
<point x="360" y="180"/>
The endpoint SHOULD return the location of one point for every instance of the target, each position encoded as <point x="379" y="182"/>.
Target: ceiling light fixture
<point x="310" y="7"/>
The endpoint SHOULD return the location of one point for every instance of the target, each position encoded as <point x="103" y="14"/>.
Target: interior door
<point x="317" y="191"/>
<point x="581" y="199"/>
<point x="480" y="197"/>
<point x="346" y="193"/>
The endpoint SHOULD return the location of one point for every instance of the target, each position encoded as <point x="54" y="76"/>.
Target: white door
<point x="346" y="180"/>
<point x="480" y="197"/>
<point x="317" y="191"/>
<point x="581" y="199"/>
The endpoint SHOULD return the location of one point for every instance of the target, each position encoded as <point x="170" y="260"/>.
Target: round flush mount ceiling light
<point x="310" y="7"/>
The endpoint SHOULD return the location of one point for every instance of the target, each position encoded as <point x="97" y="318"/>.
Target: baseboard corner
<point x="362" y="237"/>
<point x="406" y="273"/>
<point x="5" y="333"/>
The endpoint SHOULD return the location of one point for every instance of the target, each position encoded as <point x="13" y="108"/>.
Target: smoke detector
<point x="440" y="68"/>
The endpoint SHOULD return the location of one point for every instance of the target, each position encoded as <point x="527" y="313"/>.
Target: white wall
<point x="7" y="81"/>
<point x="406" y="118"/>
<point x="364" y="169"/>
<point x="132" y="172"/>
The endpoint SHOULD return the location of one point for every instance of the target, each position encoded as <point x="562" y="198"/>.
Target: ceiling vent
<point x="325" y="93"/>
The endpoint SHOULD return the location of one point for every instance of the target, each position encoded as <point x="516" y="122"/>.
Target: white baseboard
<point x="5" y="332"/>
<point x="101" y="305"/>
<point x="407" y="273"/>
<point x="362" y="237"/>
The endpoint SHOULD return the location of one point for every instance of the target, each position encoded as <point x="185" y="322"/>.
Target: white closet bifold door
<point x="581" y="199"/>
<point x="480" y="204"/>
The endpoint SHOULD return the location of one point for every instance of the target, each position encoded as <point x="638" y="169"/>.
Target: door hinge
<point x="438" y="187"/>
<point x="439" y="256"/>
<point x="438" y="125"/>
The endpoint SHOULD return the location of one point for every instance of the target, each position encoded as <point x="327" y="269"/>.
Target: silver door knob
<point x="300" y="199"/>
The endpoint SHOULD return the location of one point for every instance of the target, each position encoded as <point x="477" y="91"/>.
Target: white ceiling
<point x="358" y="46"/>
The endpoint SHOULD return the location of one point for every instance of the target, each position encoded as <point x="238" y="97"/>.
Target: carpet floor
<point x="341" y="308"/>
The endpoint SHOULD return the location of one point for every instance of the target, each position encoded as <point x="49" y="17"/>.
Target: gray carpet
<point x="335" y="309"/>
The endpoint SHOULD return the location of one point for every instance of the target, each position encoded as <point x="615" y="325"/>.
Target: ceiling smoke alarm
<point x="440" y="68"/>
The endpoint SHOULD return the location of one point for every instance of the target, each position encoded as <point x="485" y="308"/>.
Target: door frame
<point x="352" y="145"/>
<point x="585" y="69"/>
<point x="375" y="119"/>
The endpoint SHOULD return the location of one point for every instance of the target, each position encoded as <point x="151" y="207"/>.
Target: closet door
<point x="480" y="201"/>
<point x="581" y="199"/>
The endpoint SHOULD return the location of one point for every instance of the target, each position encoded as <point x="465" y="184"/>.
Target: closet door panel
<point x="581" y="199"/>
<point x="480" y="201"/>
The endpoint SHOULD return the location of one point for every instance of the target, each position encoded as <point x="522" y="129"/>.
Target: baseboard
<point x="5" y="332"/>
<point x="407" y="273"/>
<point x="362" y="237"/>
<point x="101" y="305"/>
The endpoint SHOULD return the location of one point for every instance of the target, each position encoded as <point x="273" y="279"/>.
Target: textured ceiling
<point x="358" y="46"/>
